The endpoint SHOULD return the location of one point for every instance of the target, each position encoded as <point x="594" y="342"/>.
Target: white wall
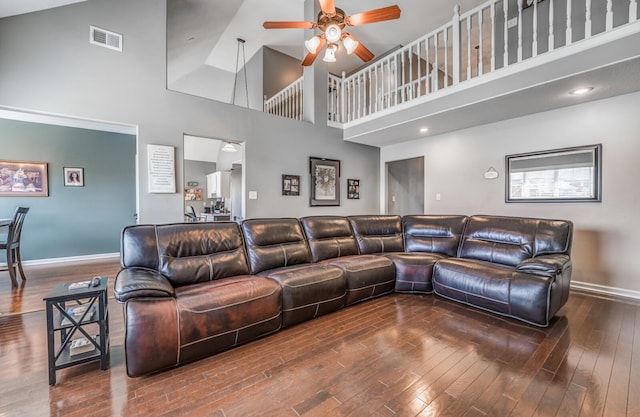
<point x="47" y="65"/>
<point x="607" y="234"/>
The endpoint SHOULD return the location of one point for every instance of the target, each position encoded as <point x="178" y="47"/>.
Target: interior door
<point x="405" y="186"/>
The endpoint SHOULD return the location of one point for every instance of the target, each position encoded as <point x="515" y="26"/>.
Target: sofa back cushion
<point x="510" y="240"/>
<point x="377" y="233"/>
<point x="275" y="243"/>
<point x="433" y="234"/>
<point x="186" y="253"/>
<point x="329" y="237"/>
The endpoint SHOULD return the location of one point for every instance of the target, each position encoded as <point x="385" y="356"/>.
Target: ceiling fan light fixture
<point x="228" y="147"/>
<point x="333" y="33"/>
<point x="349" y="43"/>
<point x="312" y="44"/>
<point x="330" y="53"/>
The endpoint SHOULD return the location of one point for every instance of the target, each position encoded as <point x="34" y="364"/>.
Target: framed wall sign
<point x="569" y="175"/>
<point x="325" y="182"/>
<point x="353" y="189"/>
<point x="23" y="179"/>
<point x="162" y="169"/>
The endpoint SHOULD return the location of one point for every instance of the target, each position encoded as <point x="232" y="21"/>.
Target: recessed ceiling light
<point x="580" y="91"/>
<point x="424" y="129"/>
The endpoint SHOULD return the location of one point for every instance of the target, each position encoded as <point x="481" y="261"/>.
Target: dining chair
<point x="12" y="245"/>
<point x="192" y="217"/>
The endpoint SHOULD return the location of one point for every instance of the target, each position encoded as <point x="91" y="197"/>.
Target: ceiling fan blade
<point x="289" y="25"/>
<point x="363" y="53"/>
<point x="373" y="16"/>
<point x="308" y="60"/>
<point x="328" y="7"/>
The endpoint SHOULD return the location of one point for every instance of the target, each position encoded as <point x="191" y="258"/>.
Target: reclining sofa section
<point x="191" y="290"/>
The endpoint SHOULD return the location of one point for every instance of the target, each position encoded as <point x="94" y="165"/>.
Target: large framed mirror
<point x="569" y="175"/>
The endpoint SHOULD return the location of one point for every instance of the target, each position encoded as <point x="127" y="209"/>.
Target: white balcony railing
<point x="494" y="35"/>
<point x="286" y="102"/>
<point x="477" y="42"/>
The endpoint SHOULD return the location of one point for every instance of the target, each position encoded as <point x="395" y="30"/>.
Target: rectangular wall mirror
<point x="571" y="174"/>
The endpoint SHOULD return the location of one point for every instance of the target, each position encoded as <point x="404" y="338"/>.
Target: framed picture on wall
<point x="325" y="182"/>
<point x="73" y="177"/>
<point x="24" y="179"/>
<point x="290" y="184"/>
<point x="353" y="189"/>
<point x="193" y="194"/>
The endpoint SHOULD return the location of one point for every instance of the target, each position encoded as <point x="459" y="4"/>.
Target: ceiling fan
<point x="332" y="21"/>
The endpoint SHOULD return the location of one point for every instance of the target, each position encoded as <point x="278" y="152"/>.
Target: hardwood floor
<point x="399" y="355"/>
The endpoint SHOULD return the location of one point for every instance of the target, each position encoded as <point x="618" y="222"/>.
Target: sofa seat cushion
<point x="309" y="290"/>
<point x="367" y="276"/>
<point x="220" y="314"/>
<point x="475" y="282"/>
<point x="414" y="271"/>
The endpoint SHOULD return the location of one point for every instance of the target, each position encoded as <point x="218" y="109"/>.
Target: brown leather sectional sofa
<point x="191" y="290"/>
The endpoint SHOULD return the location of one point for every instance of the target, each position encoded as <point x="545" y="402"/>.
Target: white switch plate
<point x="438" y="197"/>
<point x="513" y="22"/>
<point x="253" y="195"/>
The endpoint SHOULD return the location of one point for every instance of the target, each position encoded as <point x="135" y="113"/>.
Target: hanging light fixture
<point x="313" y="44"/>
<point x="228" y="147"/>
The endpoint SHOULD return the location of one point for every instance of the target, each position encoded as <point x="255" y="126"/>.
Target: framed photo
<point x="290" y="184"/>
<point x="23" y="179"/>
<point x="193" y="194"/>
<point x="558" y="175"/>
<point x="353" y="189"/>
<point x="73" y="177"/>
<point x="325" y="182"/>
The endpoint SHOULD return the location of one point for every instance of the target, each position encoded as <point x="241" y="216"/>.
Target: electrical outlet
<point x="438" y="197"/>
<point x="253" y="195"/>
<point x="513" y="22"/>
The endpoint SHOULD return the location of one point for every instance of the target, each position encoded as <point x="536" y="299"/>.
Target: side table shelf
<point x="77" y="326"/>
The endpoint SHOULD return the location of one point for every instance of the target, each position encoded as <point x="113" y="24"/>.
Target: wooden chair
<point x="12" y="245"/>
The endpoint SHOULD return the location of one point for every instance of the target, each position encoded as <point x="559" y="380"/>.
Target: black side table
<point x="70" y="311"/>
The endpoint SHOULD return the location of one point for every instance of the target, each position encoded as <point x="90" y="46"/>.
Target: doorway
<point x="213" y="178"/>
<point x="405" y="186"/>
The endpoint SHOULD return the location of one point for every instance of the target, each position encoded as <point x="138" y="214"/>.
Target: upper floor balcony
<point x="497" y="61"/>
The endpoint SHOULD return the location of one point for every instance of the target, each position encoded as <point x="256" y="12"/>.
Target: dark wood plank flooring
<point x="399" y="355"/>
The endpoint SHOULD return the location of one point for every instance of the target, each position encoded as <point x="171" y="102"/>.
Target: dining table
<point x="5" y="222"/>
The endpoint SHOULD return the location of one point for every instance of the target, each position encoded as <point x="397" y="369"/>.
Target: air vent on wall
<point x="105" y="38"/>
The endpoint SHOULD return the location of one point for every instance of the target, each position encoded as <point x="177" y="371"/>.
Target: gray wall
<point x="607" y="234"/>
<point x="72" y="221"/>
<point x="279" y="70"/>
<point x="48" y="65"/>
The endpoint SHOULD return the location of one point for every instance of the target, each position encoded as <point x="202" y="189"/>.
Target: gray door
<point x="405" y="186"/>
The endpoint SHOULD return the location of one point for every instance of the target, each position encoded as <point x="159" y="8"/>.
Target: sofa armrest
<point x="141" y="282"/>
<point x="547" y="265"/>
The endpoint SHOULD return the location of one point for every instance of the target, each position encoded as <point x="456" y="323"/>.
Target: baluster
<point x="370" y="84"/>
<point x="505" y="10"/>
<point x="427" y="78"/>
<point x="446" y="58"/>
<point x="353" y="99"/>
<point x="480" y="42"/>
<point x="569" y="35"/>
<point x="419" y="69"/>
<point x="587" y="21"/>
<point x="551" y="37"/>
<point x="469" y="48"/>
<point x="388" y="76"/>
<point x="633" y="11"/>
<point x="403" y="78"/>
<point x="534" y="46"/>
<point x="360" y="113"/>
<point x="411" y="72"/>
<point x="436" y="65"/>
<point x="609" y="24"/>
<point x="342" y="98"/>
<point x="456" y="44"/>
<point x="519" y="3"/>
<point x="492" y="10"/>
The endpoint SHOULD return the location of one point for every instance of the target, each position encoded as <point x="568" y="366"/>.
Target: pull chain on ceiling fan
<point x="332" y="21"/>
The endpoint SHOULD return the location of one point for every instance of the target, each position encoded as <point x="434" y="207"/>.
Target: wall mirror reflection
<point x="213" y="179"/>
<point x="571" y="174"/>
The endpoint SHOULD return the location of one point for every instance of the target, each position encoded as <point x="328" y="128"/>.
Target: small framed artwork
<point x="353" y="189"/>
<point x="23" y="179"/>
<point x="325" y="182"/>
<point x="290" y="184"/>
<point x="73" y="177"/>
<point x="193" y="194"/>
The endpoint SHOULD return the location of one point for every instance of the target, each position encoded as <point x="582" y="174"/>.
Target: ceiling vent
<point x="105" y="38"/>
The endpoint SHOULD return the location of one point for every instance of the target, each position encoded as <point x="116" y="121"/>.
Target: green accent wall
<point x="72" y="221"/>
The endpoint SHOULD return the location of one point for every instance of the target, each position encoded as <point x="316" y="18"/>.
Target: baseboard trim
<point x="605" y="290"/>
<point x="94" y="257"/>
